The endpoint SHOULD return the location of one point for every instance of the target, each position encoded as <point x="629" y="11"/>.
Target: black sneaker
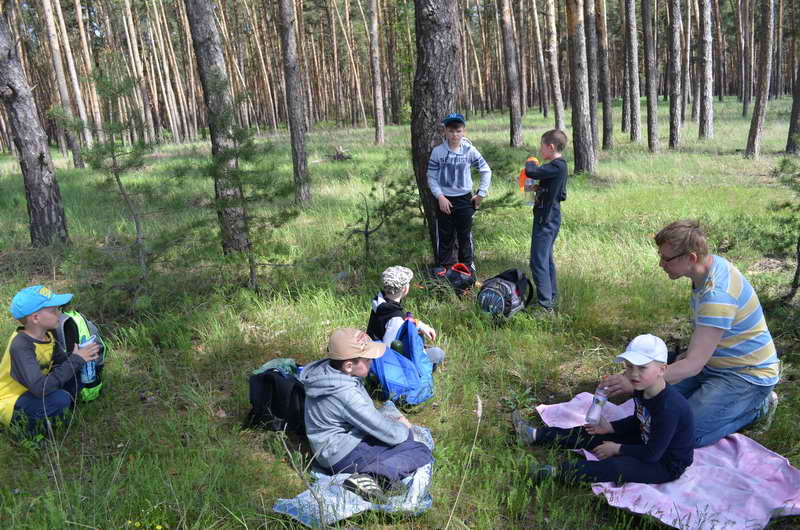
<point x="365" y="486"/>
<point x="540" y="473"/>
<point x="526" y="432"/>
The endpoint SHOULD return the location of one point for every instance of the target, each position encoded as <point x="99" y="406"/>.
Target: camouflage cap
<point x="395" y="278"/>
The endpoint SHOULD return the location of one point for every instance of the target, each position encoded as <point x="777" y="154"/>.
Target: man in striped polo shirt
<point x="730" y="367"/>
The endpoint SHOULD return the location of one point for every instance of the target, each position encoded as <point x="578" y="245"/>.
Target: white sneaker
<point x="764" y="420"/>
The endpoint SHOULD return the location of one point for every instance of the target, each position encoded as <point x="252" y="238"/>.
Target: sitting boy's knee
<point x="57" y="402"/>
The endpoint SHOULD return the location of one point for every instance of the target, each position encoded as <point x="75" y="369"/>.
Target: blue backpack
<point x="407" y="376"/>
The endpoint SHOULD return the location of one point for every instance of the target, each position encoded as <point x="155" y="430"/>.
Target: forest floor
<point x="163" y="447"/>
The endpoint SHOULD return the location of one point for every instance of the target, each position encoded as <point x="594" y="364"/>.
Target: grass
<point x="163" y="445"/>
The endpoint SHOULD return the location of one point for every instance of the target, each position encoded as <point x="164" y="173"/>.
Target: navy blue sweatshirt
<point x="552" y="186"/>
<point x="666" y="426"/>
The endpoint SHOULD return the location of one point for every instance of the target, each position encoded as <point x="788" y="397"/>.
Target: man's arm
<point x="701" y="347"/>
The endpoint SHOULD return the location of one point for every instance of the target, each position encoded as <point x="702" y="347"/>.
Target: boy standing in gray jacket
<point x="450" y="181"/>
<point x="346" y="432"/>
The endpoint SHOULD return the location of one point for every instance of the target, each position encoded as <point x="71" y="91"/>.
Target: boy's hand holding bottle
<point x="88" y="352"/>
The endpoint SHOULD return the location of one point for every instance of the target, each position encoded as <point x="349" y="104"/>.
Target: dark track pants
<point x="392" y="462"/>
<point x="458" y="224"/>
<point x="543" y="268"/>
<point x="615" y="469"/>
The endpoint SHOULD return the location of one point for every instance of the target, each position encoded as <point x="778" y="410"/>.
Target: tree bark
<point x="590" y="29"/>
<point x="73" y="76"/>
<point x="604" y="79"/>
<point x="675" y="75"/>
<point x="765" y="72"/>
<point x="552" y="63"/>
<point x="585" y="161"/>
<point x="512" y="76"/>
<point x="219" y="105"/>
<point x="375" y="64"/>
<point x="541" y="73"/>
<point x="651" y="76"/>
<point x="793" y="141"/>
<point x="632" y="52"/>
<point x="435" y="88"/>
<point x="61" y="81"/>
<point x="94" y="104"/>
<point x="296" y="102"/>
<point x="706" y="73"/>
<point x="48" y="223"/>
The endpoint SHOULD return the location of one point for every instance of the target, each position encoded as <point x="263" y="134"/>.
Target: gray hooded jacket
<point x="339" y="414"/>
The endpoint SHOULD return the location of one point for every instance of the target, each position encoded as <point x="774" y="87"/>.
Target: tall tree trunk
<point x="219" y="105"/>
<point x="762" y="93"/>
<point x="632" y="52"/>
<point x="604" y="80"/>
<point x="435" y="88"/>
<point x="651" y="76"/>
<point x="94" y="104"/>
<point x="585" y="161"/>
<point x="590" y="29"/>
<point x="625" y="122"/>
<point x="793" y="141"/>
<point x="296" y="102"/>
<point x="777" y="87"/>
<point x="552" y="63"/>
<point x="48" y="223"/>
<point x="675" y="75"/>
<point x="720" y="61"/>
<point x="747" y="80"/>
<point x="706" y="73"/>
<point x="375" y="63"/>
<point x="146" y="109"/>
<point x="73" y="75"/>
<point x="512" y="76"/>
<point x="541" y="73"/>
<point x="686" y="59"/>
<point x="61" y="81"/>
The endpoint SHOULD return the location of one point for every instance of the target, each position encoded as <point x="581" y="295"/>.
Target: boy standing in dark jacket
<point x="652" y="446"/>
<point x="551" y="190"/>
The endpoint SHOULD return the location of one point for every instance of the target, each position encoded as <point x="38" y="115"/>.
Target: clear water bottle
<point x="89" y="372"/>
<point x="596" y="410"/>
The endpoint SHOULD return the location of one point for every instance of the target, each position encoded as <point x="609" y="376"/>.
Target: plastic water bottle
<point x="88" y="374"/>
<point x="596" y="410"/>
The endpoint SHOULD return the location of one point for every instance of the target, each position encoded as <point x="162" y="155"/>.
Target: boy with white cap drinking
<point x="652" y="446"/>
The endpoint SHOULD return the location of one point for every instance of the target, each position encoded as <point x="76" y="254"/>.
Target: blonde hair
<point x="684" y="236"/>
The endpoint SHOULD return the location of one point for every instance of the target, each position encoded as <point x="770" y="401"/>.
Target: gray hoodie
<point x="339" y="414"/>
<point x="449" y="171"/>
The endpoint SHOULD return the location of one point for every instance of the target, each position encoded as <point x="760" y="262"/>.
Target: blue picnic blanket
<point x="412" y="497"/>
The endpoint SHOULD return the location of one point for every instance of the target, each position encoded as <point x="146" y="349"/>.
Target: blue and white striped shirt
<point x="727" y="301"/>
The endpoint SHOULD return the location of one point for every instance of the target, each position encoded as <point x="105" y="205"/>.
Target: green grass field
<point x="163" y="447"/>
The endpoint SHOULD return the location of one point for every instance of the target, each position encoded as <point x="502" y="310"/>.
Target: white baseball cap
<point x="644" y="349"/>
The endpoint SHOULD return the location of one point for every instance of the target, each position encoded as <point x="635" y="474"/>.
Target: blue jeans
<point x="543" y="268"/>
<point x="722" y="403"/>
<point x="30" y="411"/>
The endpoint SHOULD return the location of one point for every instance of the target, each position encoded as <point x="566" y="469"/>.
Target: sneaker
<point x="540" y="473"/>
<point x="768" y="412"/>
<point x="365" y="486"/>
<point x="526" y="432"/>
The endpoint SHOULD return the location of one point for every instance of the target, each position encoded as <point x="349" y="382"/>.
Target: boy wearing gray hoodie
<point x="450" y="181"/>
<point x="346" y="432"/>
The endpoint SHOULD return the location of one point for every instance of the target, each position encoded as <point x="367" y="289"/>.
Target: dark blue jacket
<point x="552" y="179"/>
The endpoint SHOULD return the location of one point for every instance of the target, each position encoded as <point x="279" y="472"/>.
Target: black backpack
<point x="278" y="402"/>
<point x="505" y="294"/>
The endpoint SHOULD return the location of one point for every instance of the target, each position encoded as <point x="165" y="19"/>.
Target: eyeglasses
<point x="667" y="260"/>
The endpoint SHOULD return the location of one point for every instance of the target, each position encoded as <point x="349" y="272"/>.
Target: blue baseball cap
<point x="454" y="117"/>
<point x="31" y="299"/>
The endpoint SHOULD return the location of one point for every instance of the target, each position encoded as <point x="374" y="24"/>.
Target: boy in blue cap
<point x="450" y="181"/>
<point x="38" y="380"/>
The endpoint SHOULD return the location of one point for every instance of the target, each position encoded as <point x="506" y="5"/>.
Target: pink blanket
<point x="734" y="484"/>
